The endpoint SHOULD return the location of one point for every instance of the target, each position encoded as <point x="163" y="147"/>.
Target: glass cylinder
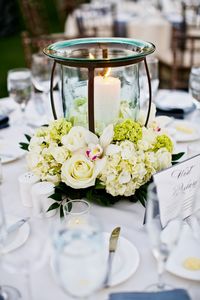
<point x="100" y="79"/>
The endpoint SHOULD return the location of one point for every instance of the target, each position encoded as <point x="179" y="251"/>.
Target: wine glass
<point x="80" y="256"/>
<point x="162" y="238"/>
<point x="152" y="63"/>
<point x="30" y="256"/>
<point x="41" y="67"/>
<point x="20" y="89"/>
<point x="194" y="87"/>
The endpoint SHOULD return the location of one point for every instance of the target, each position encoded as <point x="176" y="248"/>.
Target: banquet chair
<point x="33" y="44"/>
<point x="183" y="54"/>
<point x="94" y="20"/>
<point x="35" y="17"/>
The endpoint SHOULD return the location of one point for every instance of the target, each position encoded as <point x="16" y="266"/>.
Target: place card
<point x="176" y="186"/>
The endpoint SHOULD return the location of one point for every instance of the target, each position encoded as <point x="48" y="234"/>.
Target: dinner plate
<point x="19" y="238"/>
<point x="185" y="131"/>
<point x="10" y="151"/>
<point x="125" y="261"/>
<point x="174" y="100"/>
<point x="187" y="247"/>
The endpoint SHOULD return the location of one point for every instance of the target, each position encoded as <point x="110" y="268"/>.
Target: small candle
<point x="106" y="98"/>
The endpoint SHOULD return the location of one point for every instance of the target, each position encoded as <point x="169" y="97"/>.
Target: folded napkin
<point x="176" y="113"/>
<point x="177" y="294"/>
<point x="4" y="122"/>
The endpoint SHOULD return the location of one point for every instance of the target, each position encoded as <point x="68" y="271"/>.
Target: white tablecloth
<point x="125" y="214"/>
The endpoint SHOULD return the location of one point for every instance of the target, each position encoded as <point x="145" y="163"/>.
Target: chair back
<point x="186" y="53"/>
<point x="35" y="17"/>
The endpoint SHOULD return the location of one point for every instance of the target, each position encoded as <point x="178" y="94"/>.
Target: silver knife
<point x="16" y="225"/>
<point x="112" y="248"/>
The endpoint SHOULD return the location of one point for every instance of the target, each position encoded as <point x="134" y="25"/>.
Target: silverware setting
<point x="112" y="249"/>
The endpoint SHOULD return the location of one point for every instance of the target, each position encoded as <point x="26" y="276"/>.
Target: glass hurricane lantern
<point x="100" y="79"/>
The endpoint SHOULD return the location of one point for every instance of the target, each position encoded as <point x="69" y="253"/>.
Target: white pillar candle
<point x="106" y="98"/>
<point x="26" y="181"/>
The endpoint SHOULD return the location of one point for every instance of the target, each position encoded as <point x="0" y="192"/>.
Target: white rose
<point x="79" y="172"/>
<point x="164" y="159"/>
<point x="78" y="138"/>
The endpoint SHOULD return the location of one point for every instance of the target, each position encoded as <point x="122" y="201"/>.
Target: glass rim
<point x="19" y="70"/>
<point x="139" y="48"/>
<point x="76" y="201"/>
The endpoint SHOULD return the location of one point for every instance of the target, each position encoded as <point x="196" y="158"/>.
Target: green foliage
<point x="23" y="145"/>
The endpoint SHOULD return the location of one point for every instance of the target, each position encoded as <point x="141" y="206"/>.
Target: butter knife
<point x="17" y="225"/>
<point x="112" y="248"/>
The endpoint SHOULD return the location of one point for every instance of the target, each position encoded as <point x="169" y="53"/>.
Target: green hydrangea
<point x="163" y="141"/>
<point x="128" y="130"/>
<point x="59" y="128"/>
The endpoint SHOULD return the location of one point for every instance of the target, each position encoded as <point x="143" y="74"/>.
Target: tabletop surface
<point x="128" y="215"/>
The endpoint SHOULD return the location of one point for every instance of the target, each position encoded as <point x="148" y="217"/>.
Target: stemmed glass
<point x="152" y="63"/>
<point x="20" y="89"/>
<point x="79" y="253"/>
<point x="41" y="67"/>
<point x="194" y="86"/>
<point x="162" y="238"/>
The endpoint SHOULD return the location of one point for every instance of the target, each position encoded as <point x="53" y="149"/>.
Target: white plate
<point x="174" y="100"/>
<point x="125" y="261"/>
<point x="21" y="234"/>
<point x="187" y="247"/>
<point x="10" y="150"/>
<point x="182" y="127"/>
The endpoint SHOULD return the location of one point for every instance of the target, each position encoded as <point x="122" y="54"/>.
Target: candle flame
<point x="105" y="72"/>
<point x="91" y="56"/>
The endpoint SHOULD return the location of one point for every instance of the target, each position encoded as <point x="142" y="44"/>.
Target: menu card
<point x="176" y="187"/>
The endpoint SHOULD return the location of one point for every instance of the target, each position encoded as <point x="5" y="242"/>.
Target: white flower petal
<point x="112" y="149"/>
<point x="107" y="136"/>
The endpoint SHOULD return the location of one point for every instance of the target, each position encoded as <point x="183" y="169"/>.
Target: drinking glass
<point x="162" y="238"/>
<point x="20" y="89"/>
<point x="41" y="67"/>
<point x="152" y="63"/>
<point x="76" y="211"/>
<point x="80" y="258"/>
<point x="194" y="87"/>
<point x="30" y="256"/>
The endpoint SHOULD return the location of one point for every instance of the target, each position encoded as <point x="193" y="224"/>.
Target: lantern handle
<point x="51" y="91"/>
<point x="150" y="92"/>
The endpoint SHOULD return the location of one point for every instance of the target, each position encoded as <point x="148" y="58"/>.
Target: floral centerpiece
<point x="116" y="165"/>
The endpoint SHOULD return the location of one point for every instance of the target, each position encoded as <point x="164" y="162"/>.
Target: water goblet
<point x="80" y="257"/>
<point x="41" y="67"/>
<point x="162" y="238"/>
<point x="20" y="89"/>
